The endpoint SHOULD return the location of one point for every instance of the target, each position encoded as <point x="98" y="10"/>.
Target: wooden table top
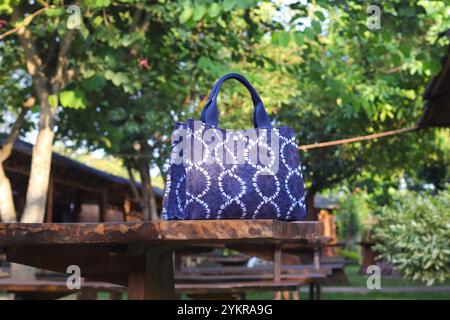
<point x="158" y="232"/>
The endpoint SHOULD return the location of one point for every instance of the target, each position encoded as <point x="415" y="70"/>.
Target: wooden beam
<point x="50" y="202"/>
<point x="103" y="205"/>
<point x="58" y="181"/>
<point x="185" y="232"/>
<point x="277" y="264"/>
<point x="151" y="276"/>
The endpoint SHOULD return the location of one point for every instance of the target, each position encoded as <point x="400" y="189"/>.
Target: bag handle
<point x="210" y="113"/>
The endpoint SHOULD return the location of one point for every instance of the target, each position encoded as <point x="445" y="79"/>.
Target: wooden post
<point x="126" y="207"/>
<point x="50" y="194"/>
<point x="115" y="295"/>
<point x="316" y="257"/>
<point x="277" y="264"/>
<point x="311" y="291"/>
<point x="87" y="295"/>
<point x="151" y="276"/>
<point x="77" y="204"/>
<point x="103" y="205"/>
<point x="318" y="291"/>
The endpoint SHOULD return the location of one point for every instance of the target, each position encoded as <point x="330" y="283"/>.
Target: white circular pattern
<point x="294" y="200"/>
<point x="210" y="184"/>
<point x="231" y="174"/>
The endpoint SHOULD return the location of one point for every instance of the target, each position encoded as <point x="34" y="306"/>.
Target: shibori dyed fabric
<point x="221" y="174"/>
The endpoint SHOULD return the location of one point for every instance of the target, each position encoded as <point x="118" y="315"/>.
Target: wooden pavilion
<point x="77" y="192"/>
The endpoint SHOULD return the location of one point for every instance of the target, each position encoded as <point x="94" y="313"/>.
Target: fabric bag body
<point x="217" y="173"/>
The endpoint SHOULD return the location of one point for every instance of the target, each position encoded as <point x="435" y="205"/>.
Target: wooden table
<point x="138" y="255"/>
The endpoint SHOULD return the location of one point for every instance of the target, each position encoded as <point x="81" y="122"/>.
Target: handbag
<point x="217" y="173"/>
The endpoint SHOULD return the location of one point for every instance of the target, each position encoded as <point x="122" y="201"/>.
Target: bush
<point x="413" y="233"/>
<point x="351" y="255"/>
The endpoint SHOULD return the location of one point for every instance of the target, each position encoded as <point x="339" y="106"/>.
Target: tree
<point x="174" y="62"/>
<point x="353" y="81"/>
<point x="48" y="76"/>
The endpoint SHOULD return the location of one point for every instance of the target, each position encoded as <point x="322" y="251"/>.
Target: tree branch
<point x="24" y="24"/>
<point x="34" y="66"/>
<point x="34" y="62"/>
<point x="8" y="143"/>
<point x="133" y="184"/>
<point x="60" y="78"/>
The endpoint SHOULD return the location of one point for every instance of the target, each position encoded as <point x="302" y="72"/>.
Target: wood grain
<point x="163" y="232"/>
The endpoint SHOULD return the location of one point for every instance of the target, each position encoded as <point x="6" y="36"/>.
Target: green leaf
<point x="214" y="10"/>
<point x="53" y="100"/>
<point x="221" y="23"/>
<point x="199" y="12"/>
<point x="109" y="74"/>
<point x="95" y="83"/>
<point x="243" y="4"/>
<point x="203" y="63"/>
<point x="106" y="141"/>
<point x="88" y="73"/>
<point x="320" y="15"/>
<point x="317" y="26"/>
<point x="98" y="3"/>
<point x="54" y="12"/>
<point x="119" y="78"/>
<point x="228" y="5"/>
<point x="435" y="66"/>
<point x="73" y="99"/>
<point x="283" y="38"/>
<point x="186" y="14"/>
<point x="299" y="38"/>
<point x="309" y="32"/>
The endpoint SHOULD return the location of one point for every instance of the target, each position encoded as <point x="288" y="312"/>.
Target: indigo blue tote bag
<point x="217" y="173"/>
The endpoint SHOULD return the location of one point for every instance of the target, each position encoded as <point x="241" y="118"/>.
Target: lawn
<point x="359" y="281"/>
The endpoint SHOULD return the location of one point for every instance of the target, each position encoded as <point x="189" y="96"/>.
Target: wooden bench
<point x="336" y="265"/>
<point x="233" y="282"/>
<point x="54" y="289"/>
<point x="233" y="290"/>
<point x="4" y="273"/>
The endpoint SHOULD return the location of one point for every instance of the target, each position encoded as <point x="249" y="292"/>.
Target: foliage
<point x="413" y="233"/>
<point x="352" y="81"/>
<point x="352" y="255"/>
<point x="353" y="217"/>
<point x="141" y="66"/>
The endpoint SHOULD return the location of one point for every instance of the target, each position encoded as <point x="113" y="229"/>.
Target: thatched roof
<point x="437" y="96"/>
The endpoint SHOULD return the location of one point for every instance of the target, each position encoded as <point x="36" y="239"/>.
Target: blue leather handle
<point x="210" y="113"/>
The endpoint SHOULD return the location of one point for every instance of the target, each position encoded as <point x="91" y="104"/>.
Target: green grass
<point x="368" y="296"/>
<point x="359" y="280"/>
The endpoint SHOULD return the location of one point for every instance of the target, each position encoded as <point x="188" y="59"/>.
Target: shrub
<point x="413" y="233"/>
<point x="351" y="255"/>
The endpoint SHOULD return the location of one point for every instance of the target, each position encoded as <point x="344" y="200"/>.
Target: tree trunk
<point x="149" y="209"/>
<point x="309" y="199"/>
<point x="7" y="209"/>
<point x="34" y="211"/>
